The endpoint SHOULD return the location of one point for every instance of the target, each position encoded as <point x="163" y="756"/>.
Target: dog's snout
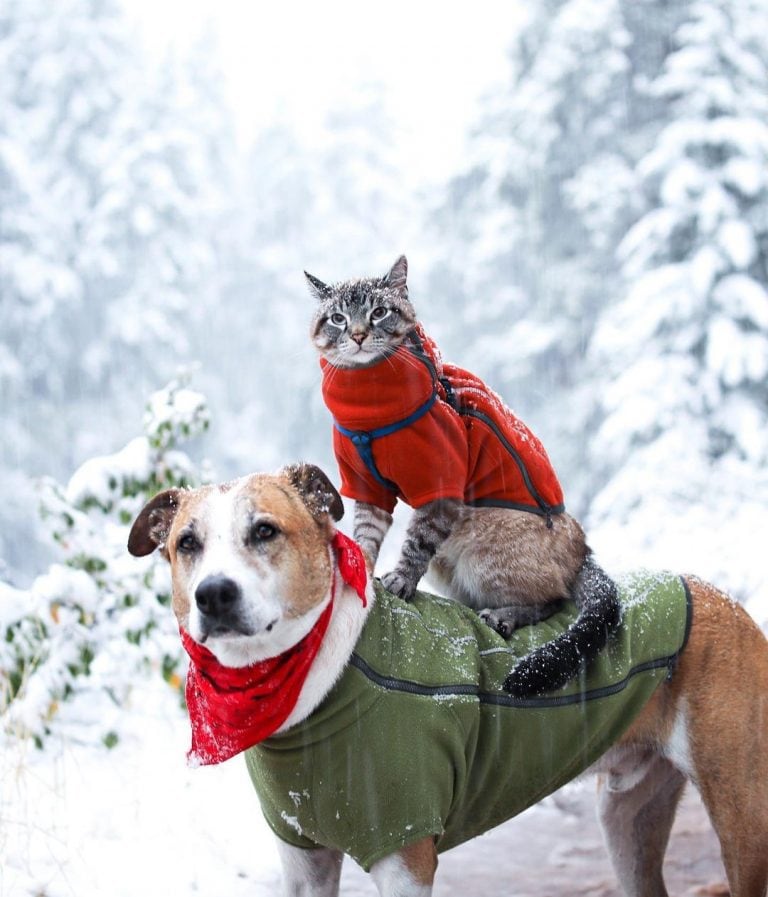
<point x="217" y="595"/>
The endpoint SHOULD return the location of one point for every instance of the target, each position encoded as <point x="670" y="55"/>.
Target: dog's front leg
<point x="310" y="873"/>
<point x="407" y="873"/>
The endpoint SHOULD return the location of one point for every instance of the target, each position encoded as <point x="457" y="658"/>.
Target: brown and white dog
<point x="264" y="541"/>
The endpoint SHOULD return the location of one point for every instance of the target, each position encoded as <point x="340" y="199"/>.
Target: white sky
<point x="298" y="60"/>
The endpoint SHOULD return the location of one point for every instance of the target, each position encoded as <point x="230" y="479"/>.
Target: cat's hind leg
<point x="499" y="558"/>
<point x="505" y="620"/>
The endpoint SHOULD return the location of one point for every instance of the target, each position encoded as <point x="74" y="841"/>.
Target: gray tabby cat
<point x="513" y="566"/>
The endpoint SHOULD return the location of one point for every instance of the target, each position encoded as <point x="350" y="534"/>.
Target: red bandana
<point x="233" y="708"/>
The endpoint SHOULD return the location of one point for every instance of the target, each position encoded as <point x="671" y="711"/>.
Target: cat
<point x="488" y="528"/>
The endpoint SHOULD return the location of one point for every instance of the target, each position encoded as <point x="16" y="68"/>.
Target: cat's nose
<point x="358" y="338"/>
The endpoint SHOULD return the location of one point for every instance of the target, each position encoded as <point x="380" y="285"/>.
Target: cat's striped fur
<point x="512" y="566"/>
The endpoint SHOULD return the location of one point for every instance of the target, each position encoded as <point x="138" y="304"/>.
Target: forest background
<point x="581" y="188"/>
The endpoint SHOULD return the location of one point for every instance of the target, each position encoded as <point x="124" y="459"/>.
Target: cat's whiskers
<point x="406" y="358"/>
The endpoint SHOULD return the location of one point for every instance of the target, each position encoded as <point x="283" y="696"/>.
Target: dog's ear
<point x="151" y="528"/>
<point x="317" y="492"/>
<point x="318" y="289"/>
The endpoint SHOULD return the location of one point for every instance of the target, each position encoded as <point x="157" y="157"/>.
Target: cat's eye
<point x="338" y="319"/>
<point x="379" y="313"/>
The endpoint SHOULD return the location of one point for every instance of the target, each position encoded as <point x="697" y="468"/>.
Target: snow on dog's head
<point x="249" y="574"/>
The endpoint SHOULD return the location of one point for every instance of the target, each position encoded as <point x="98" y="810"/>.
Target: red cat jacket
<point x="412" y="428"/>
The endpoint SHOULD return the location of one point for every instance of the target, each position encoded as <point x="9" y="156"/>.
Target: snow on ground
<point x="78" y="820"/>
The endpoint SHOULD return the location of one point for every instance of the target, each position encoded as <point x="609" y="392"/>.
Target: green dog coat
<point x="418" y="737"/>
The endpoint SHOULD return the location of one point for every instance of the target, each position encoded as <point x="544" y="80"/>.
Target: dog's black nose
<point x="217" y="595"/>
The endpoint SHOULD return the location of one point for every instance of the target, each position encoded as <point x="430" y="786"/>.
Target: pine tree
<point x="108" y="184"/>
<point x="684" y="353"/>
<point x="531" y="227"/>
<point x="331" y="204"/>
<point x="92" y="623"/>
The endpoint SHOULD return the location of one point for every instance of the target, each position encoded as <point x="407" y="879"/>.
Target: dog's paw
<point x="491" y="617"/>
<point x="398" y="585"/>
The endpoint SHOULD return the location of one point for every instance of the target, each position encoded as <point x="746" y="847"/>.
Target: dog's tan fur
<point x="301" y="553"/>
<point x="708" y="724"/>
<point x="420" y="859"/>
<point x="720" y="689"/>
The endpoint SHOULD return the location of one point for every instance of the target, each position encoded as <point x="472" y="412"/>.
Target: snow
<point x="740" y="416"/>
<point x="598" y="257"/>
<point x="744" y="297"/>
<point x="14" y="604"/>
<point x="131" y="820"/>
<point x="292" y="821"/>
<point x="737" y="239"/>
<point x="736" y="356"/>
<point x="96" y="479"/>
<point x="65" y="585"/>
<point x="744" y="175"/>
<point x="79" y="820"/>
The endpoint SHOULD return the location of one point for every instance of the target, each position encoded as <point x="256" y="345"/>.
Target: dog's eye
<point x="379" y="313"/>
<point x="338" y="319"/>
<point x="262" y="532"/>
<point x="188" y="544"/>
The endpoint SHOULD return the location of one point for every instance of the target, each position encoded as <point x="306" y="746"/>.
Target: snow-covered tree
<point x="92" y="623"/>
<point x="109" y="185"/>
<point x="531" y="227"/>
<point x="329" y="203"/>
<point x="632" y="124"/>
<point x="683" y="354"/>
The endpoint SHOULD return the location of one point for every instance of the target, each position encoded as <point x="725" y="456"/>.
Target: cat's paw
<point x="494" y="617"/>
<point x="398" y="585"/>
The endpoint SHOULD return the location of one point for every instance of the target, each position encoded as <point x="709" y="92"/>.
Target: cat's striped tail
<point x="553" y="664"/>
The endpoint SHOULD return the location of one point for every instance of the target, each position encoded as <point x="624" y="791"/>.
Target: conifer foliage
<point x="107" y="179"/>
<point x="613" y="220"/>
<point x="602" y="261"/>
<point x="99" y="618"/>
<point x="684" y="352"/>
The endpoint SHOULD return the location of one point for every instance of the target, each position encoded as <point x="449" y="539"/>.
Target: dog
<point x="263" y="583"/>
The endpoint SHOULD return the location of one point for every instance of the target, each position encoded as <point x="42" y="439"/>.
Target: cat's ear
<point x="397" y="274"/>
<point x="318" y="289"/>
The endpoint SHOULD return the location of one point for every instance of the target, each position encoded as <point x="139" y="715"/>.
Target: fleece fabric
<point x="233" y="708"/>
<point x="418" y="737"/>
<point x="464" y="443"/>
